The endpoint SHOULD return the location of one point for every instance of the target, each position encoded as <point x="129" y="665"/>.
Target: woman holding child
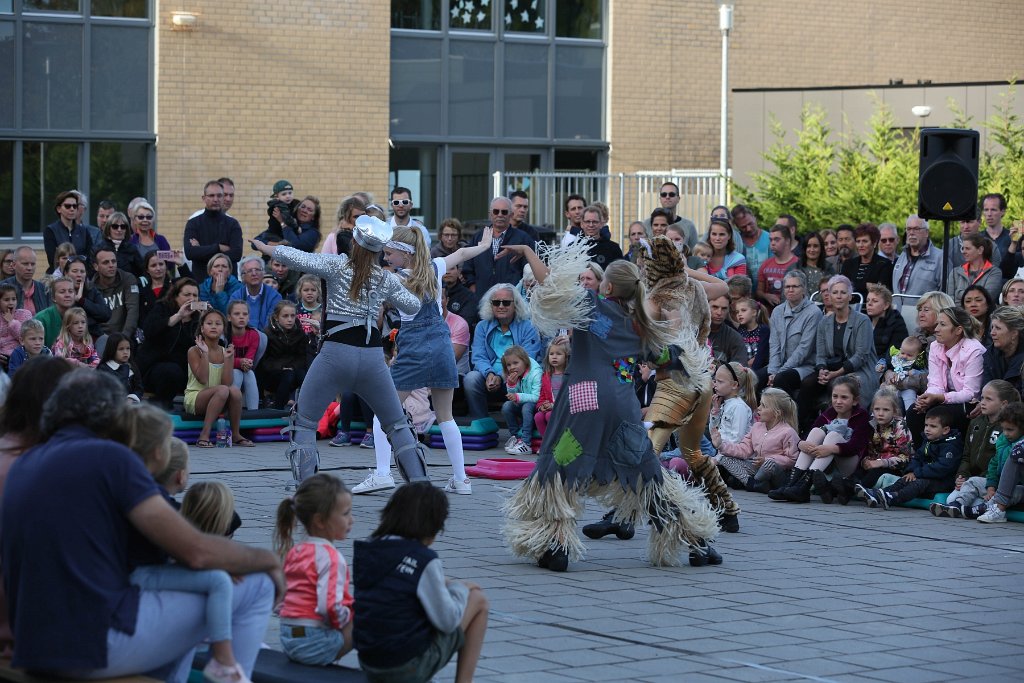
<point x="888" y="324"/>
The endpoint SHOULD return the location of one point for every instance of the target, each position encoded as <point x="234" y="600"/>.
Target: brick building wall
<point x="665" y="60"/>
<point x="263" y="91"/>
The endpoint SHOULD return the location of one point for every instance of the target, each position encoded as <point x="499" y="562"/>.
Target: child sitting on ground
<point x="763" y="458"/>
<point x="555" y="362"/>
<point x="148" y="432"/>
<point x="931" y="470"/>
<point x="733" y="405"/>
<point x="210" y="388"/>
<point x="978" y="475"/>
<point x="907" y="362"/>
<point x="889" y="448"/>
<point x="116" y="360"/>
<point x="522" y="384"/>
<point x="316" y="616"/>
<point x="74" y="341"/>
<point x="246" y="341"/>
<point x="33" y="337"/>
<point x="1010" y="488"/>
<point x="411" y="619"/>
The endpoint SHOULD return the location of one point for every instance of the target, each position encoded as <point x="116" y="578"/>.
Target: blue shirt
<point x="756" y="254"/>
<point x="499" y="341"/>
<point x="65" y="548"/>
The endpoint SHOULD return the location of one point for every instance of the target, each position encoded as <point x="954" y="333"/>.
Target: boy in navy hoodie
<point x="932" y="469"/>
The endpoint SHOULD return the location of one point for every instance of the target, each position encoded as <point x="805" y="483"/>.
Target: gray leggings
<point x="340" y="368"/>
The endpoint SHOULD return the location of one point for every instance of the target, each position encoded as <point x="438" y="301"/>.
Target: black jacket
<point x="998" y="366"/>
<point x="484" y="270"/>
<point x="879" y="270"/>
<point x="211" y="229"/>
<point x="891" y="330"/>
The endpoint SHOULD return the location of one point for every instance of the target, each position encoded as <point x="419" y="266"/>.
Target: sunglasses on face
<point x="143" y="216"/>
<point x="118" y="226"/>
<point x="668" y="194"/>
<point x="401" y="202"/>
<point x="69" y="206"/>
<point x="888" y="239"/>
<point x="501" y="303"/>
<point x="499" y="212"/>
<point x="73" y="259"/>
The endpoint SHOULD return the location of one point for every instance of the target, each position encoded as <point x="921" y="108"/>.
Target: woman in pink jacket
<point x="955" y="367"/>
<point x="762" y="460"/>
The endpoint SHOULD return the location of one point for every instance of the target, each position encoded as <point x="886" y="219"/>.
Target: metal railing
<point x="629" y="196"/>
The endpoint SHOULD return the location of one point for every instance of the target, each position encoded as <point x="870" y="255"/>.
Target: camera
<point x="199" y="305"/>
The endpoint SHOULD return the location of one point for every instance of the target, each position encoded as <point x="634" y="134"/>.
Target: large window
<point x="77" y="106"/>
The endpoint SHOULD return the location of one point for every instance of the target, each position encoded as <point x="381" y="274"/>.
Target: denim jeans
<point x="519" y="419"/>
<point x="319" y="647"/>
<point x="213" y="583"/>
<point x="170" y="624"/>
<point x="475" y="386"/>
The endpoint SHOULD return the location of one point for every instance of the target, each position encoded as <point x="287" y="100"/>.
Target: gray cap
<point x="371" y="233"/>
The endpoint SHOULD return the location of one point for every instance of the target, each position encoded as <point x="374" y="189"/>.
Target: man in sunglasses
<point x="67" y="229"/>
<point x="888" y="242"/>
<point x="401" y="207"/>
<point x="668" y="195"/>
<point x="484" y="270"/>
<point x="602" y="249"/>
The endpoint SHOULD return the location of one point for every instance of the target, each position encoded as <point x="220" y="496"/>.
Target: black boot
<point x="555" y="559"/>
<point x="623" y="531"/>
<point x="730" y="524"/>
<point x="704" y="554"/>
<point x="800" y="490"/>
<point x="843" y="487"/>
<point x="778" y="494"/>
<point x="758" y="486"/>
<point x="822" y="486"/>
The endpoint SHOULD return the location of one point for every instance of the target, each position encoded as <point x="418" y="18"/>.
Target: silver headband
<point x="394" y="245"/>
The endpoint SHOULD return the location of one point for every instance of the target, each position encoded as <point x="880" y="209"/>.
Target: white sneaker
<point x="375" y="482"/>
<point x="463" y="487"/>
<point x="511" y="442"/>
<point x="215" y="672"/>
<point x="993" y="515"/>
<point x="520" y="447"/>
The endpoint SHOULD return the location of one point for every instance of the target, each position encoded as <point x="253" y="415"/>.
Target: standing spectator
<point x="755" y="244"/>
<point x="573" y="211"/>
<point x="814" y="261"/>
<point x="211" y="232"/>
<point x="793" y="333"/>
<point x="32" y="294"/>
<point x="485" y="270"/>
<point x="977" y="269"/>
<point x="919" y="268"/>
<point x="972" y="226"/>
<point x="993" y="208"/>
<point x="104" y="210"/>
<point x="669" y="197"/>
<point x="831" y="241"/>
<point x="115" y="238"/>
<point x="145" y="237"/>
<point x="338" y="240"/>
<point x="261" y="298"/>
<point x="449" y="238"/>
<point x="888" y="241"/>
<point x="772" y="271"/>
<point x="68" y="229"/>
<point x="401" y="212"/>
<point x="867" y="266"/>
<point x="108" y="628"/>
<point x="845" y="345"/>
<point x="725" y="261"/>
<point x="602" y="249"/>
<point x="520" y="212"/>
<point x="845" y="246"/>
<point x="120" y="292"/>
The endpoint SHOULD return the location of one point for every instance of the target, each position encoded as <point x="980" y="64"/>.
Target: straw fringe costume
<point x="684" y="409"/>
<point x="595" y="444"/>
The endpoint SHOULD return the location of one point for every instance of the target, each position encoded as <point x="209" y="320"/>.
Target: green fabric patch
<point x="567" y="449"/>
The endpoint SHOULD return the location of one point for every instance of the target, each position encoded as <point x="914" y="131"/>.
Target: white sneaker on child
<point x="520" y="447"/>
<point x="215" y="672"/>
<point x="511" y="442"/>
<point x="993" y="515"/>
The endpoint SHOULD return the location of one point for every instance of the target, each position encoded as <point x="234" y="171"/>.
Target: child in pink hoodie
<point x="763" y="458"/>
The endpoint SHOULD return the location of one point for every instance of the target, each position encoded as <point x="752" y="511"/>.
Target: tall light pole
<point x="725" y="8"/>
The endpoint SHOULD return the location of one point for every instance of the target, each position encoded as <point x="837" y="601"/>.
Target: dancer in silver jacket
<point x="351" y="357"/>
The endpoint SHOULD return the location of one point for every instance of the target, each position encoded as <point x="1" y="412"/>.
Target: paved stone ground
<point x="807" y="592"/>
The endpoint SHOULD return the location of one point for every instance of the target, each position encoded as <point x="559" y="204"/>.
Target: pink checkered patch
<point x="582" y="397"/>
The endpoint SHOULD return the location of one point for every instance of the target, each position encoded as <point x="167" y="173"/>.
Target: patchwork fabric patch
<point x="582" y="397"/>
<point x="601" y="326"/>
<point x="624" y="369"/>
<point x="567" y="449"/>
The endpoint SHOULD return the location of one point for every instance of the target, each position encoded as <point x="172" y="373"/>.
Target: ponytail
<point x="421" y="281"/>
<point x="747" y="381"/>
<point x="315" y="496"/>
<point x="284" y="527"/>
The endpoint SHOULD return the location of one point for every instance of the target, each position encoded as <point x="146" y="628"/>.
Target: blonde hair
<point x="1006" y="288"/>
<point x="704" y="247"/>
<point x="762" y="317"/>
<point x="515" y="351"/>
<point x="149" y="432"/>
<point x="624" y="279"/>
<point x="65" y="336"/>
<point x="308" y="279"/>
<point x="746" y="380"/>
<point x="889" y="394"/>
<point x="422" y="281"/>
<point x="178" y="461"/>
<point x="782" y="403"/>
<point x="64" y="249"/>
<point x="566" y="349"/>
<point x="209" y="505"/>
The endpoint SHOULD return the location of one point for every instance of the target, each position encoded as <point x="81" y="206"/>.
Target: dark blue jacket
<point x="939" y="460"/>
<point x="211" y="229"/>
<point x="390" y="626"/>
<point x="483" y="270"/>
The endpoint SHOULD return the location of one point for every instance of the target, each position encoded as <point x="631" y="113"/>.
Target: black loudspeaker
<point x="948" y="178"/>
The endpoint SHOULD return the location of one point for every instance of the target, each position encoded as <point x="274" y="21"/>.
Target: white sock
<point x="453" y="444"/>
<point x="381" y="449"/>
